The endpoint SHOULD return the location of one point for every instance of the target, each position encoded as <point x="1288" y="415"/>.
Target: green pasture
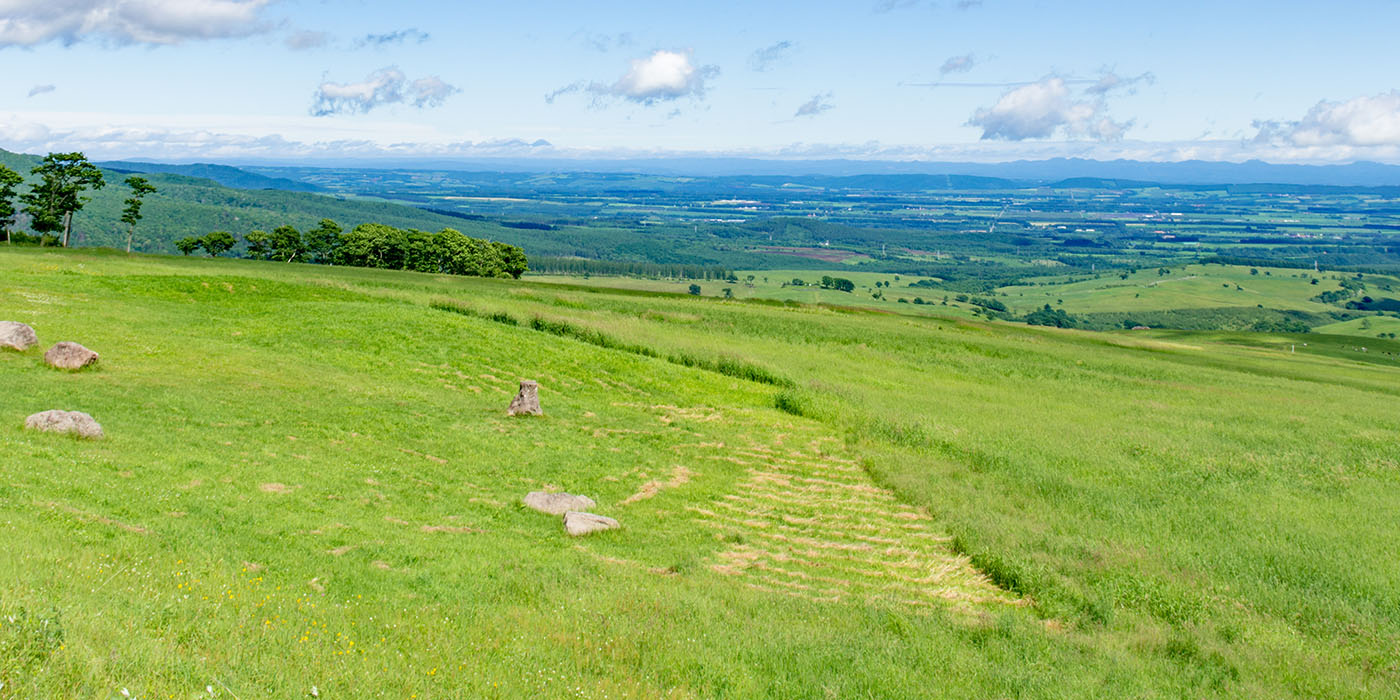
<point x="1184" y="287"/>
<point x="309" y="481"/>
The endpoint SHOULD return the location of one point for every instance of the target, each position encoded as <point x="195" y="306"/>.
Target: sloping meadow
<point x="309" y="480"/>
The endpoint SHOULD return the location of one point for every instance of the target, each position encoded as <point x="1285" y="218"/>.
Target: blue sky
<point x="241" y="80"/>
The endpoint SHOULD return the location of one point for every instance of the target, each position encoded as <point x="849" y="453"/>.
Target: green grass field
<point x="1191" y="286"/>
<point x="309" y="481"/>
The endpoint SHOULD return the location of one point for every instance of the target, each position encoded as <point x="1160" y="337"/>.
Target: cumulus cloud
<point x="817" y="105"/>
<point x="1043" y="109"/>
<point x="159" y="22"/>
<point x="402" y="36"/>
<point x="301" y="41"/>
<point x="958" y="64"/>
<point x="661" y="77"/>
<point x="764" y="58"/>
<point x="41" y="89"/>
<point x="384" y="86"/>
<point x="1360" y="121"/>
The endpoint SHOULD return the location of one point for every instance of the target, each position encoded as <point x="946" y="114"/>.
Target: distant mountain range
<point x="1191" y="172"/>
<point x="224" y="175"/>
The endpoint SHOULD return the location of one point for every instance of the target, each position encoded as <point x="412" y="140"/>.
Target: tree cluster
<point x="57" y="195"/>
<point x="372" y="245"/>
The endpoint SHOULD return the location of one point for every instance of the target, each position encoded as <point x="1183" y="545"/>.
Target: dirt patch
<point x="96" y="518"/>
<point x="456" y="529"/>
<point x="274" y="487"/>
<point x="680" y="476"/>
<point x="814" y="526"/>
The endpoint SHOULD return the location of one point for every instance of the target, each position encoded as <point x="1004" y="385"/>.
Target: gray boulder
<point x="578" y="524"/>
<point x="17" y="336"/>
<point x="65" y="422"/>
<point x="69" y="356"/>
<point x="527" y="402"/>
<point x="557" y="503"/>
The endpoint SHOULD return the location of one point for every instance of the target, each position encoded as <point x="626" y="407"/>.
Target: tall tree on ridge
<point x="140" y="187"/>
<point x="63" y="177"/>
<point x="9" y="180"/>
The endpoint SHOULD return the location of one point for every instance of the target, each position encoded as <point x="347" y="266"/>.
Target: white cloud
<point x="816" y="105"/>
<point x="661" y="77"/>
<point x="1043" y="109"/>
<point x="304" y="40"/>
<point x="32" y="22"/>
<point x="41" y="89"/>
<point x="958" y="64"/>
<point x="384" y="86"/>
<point x="664" y="75"/>
<point x="1358" y="122"/>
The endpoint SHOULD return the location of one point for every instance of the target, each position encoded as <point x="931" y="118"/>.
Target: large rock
<point x="578" y="524"/>
<point x="66" y="422"/>
<point x="557" y="503"/>
<point x="69" y="356"/>
<point x="527" y="402"/>
<point x="17" y="336"/>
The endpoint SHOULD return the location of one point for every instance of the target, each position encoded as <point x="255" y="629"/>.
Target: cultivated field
<point x="309" y="487"/>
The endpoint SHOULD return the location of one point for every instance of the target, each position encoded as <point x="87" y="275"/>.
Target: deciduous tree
<point x="52" y="202"/>
<point x="140" y="187"/>
<point x="9" y="180"/>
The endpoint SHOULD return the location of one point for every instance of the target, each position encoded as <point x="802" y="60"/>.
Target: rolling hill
<point x="309" y="486"/>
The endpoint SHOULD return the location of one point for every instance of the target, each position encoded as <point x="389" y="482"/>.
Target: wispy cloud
<point x="402" y="36"/>
<point x="958" y="64"/>
<point x="604" y="43"/>
<point x="382" y="87"/>
<point x="1044" y="109"/>
<point x="41" y="89"/>
<point x="1111" y="81"/>
<point x="817" y="105"/>
<point x="663" y="76"/>
<point x="304" y="40"/>
<point x="159" y="22"/>
<point x="766" y="57"/>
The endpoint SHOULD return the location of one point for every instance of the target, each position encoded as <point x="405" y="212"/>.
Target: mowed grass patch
<point x="309" y="481"/>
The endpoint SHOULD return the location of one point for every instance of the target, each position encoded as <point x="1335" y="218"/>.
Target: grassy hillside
<point x="190" y="206"/>
<point x="309" y="480"/>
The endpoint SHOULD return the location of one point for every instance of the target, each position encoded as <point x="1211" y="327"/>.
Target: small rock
<point x="65" y="422"/>
<point x="578" y="524"/>
<point x="17" y="336"/>
<point x="557" y="503"/>
<point x="69" y="356"/>
<point x="527" y="402"/>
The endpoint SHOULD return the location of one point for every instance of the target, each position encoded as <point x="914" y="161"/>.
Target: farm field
<point x="1190" y="286"/>
<point x="309" y="482"/>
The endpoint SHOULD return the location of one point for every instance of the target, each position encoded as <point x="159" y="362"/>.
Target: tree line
<point x="586" y="266"/>
<point x="57" y="195"/>
<point x="371" y="245"/>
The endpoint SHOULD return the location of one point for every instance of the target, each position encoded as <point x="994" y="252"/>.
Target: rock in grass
<point x="65" y="422"/>
<point x="17" y="336"/>
<point x="527" y="402"/>
<point x="578" y="523"/>
<point x="557" y="503"/>
<point x="69" y="356"/>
